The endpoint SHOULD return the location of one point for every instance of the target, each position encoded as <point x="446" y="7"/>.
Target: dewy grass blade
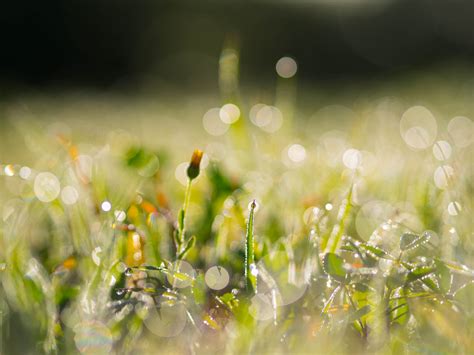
<point x="251" y="271"/>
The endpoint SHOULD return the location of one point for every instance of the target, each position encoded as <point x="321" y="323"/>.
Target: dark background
<point x="104" y="43"/>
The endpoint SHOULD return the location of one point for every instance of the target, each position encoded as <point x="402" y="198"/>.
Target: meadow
<point x="275" y="217"/>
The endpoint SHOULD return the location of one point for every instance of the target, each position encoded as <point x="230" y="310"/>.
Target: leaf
<point x="411" y="241"/>
<point x="151" y="268"/>
<point x="356" y="315"/>
<point x="229" y="300"/>
<point x="328" y="303"/>
<point x="444" y="276"/>
<point x="189" y="245"/>
<point x="375" y="251"/>
<point x="334" y="266"/>
<point x="181" y="219"/>
<point x="419" y="272"/>
<point x="360" y="287"/>
<point x="199" y="289"/>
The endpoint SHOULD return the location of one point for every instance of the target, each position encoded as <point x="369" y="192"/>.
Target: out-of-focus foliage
<point x="348" y="232"/>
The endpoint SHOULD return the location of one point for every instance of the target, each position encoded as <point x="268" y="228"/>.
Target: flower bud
<point x="194" y="164"/>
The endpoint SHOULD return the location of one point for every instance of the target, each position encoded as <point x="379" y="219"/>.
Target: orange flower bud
<point x="194" y="164"/>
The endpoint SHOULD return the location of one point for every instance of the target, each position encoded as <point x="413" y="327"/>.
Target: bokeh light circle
<point x="286" y="67"/>
<point x="370" y="216"/>
<point x="285" y="277"/>
<point x="442" y="150"/>
<point x="461" y="130"/>
<point x="69" y="195"/>
<point x="217" y="277"/>
<point x="93" y="337"/>
<point x="443" y="176"/>
<point x="418" y="127"/>
<point x="229" y="113"/>
<point x="181" y="274"/>
<point x="213" y="124"/>
<point x="261" y="307"/>
<point x="167" y="321"/>
<point x="352" y="158"/>
<point x="46" y="187"/>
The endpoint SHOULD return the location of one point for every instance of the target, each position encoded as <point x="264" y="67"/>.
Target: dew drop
<point x="120" y="291"/>
<point x="106" y="206"/>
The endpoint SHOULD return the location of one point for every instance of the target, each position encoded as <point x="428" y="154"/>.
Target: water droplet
<point x="113" y="281"/>
<point x="106" y="206"/>
<point x="120" y="291"/>
<point x="254" y="204"/>
<point x="253" y="269"/>
<point x="129" y="271"/>
<point x="9" y="170"/>
<point x="95" y="255"/>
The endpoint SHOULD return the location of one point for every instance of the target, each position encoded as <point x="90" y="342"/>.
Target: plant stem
<point x="182" y="218"/>
<point x="340" y="231"/>
<point x="250" y="277"/>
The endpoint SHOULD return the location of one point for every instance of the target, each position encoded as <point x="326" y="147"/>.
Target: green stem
<point x="342" y="222"/>
<point x="250" y="278"/>
<point x="351" y="301"/>
<point x="182" y="218"/>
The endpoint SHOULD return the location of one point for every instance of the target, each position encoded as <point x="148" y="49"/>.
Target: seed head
<point x="194" y="164"/>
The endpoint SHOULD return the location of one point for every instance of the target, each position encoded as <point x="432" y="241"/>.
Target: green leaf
<point x="411" y="241"/>
<point x="189" y="245"/>
<point x="444" y="276"/>
<point x="419" y="272"/>
<point x="199" y="289"/>
<point x="181" y="219"/>
<point x="334" y="266"/>
<point x="328" y="303"/>
<point x="229" y="300"/>
<point x="360" y="287"/>
<point x="375" y="251"/>
<point x="356" y="315"/>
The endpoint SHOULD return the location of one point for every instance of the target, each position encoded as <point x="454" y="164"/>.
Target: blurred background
<point x="126" y="44"/>
<point x="308" y="106"/>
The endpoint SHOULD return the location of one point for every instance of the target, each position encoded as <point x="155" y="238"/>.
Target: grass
<point x="354" y="251"/>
